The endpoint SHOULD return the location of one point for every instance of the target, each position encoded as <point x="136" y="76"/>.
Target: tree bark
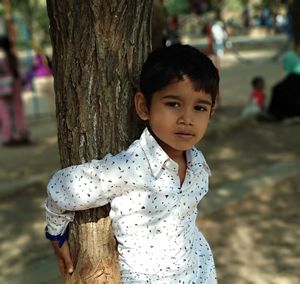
<point x="98" y="50"/>
<point x="295" y="10"/>
<point x="158" y="20"/>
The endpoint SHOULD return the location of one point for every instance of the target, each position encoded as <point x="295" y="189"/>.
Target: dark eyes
<point x="173" y="104"/>
<point x="200" y="108"/>
<point x="178" y="105"/>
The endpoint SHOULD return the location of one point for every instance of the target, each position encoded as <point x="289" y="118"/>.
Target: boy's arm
<point x="71" y="189"/>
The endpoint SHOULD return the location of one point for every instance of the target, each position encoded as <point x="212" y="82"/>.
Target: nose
<point x="186" y="117"/>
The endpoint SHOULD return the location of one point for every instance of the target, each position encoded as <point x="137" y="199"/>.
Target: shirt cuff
<point x="59" y="238"/>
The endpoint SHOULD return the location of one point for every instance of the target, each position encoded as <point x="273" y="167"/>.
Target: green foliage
<point x="2" y="11"/>
<point x="177" y="7"/>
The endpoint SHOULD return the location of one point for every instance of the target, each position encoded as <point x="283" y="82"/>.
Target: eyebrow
<point x="176" y="97"/>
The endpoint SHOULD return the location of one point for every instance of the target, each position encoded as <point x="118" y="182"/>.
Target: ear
<point x="141" y="106"/>
<point x="212" y="111"/>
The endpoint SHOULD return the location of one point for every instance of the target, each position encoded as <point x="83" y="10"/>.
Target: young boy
<point x="155" y="185"/>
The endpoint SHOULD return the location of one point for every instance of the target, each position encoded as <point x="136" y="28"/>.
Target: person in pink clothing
<point x="14" y="130"/>
<point x="42" y="66"/>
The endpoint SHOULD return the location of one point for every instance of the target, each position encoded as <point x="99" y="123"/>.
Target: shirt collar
<point x="196" y="161"/>
<point x="158" y="158"/>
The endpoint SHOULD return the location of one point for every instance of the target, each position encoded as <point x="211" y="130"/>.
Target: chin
<point x="183" y="147"/>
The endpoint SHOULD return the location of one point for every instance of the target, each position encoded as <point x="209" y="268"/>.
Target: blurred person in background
<point x="246" y="17"/>
<point x="285" y="98"/>
<point x="256" y="104"/>
<point x="39" y="80"/>
<point x="12" y="119"/>
<point x="219" y="38"/>
<point x="207" y="31"/>
<point x="172" y="36"/>
<point x="258" y="96"/>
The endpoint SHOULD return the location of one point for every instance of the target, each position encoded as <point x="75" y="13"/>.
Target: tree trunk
<point x="98" y="50"/>
<point x="158" y="20"/>
<point x="295" y="10"/>
<point x="11" y="32"/>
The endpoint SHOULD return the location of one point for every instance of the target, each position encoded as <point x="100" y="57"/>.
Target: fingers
<point x="62" y="266"/>
<point x="63" y="258"/>
<point x="65" y="250"/>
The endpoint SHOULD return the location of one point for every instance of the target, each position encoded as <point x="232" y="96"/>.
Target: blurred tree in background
<point x="158" y="23"/>
<point x="31" y="21"/>
<point x="295" y="12"/>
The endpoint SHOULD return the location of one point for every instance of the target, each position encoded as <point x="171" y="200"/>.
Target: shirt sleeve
<point x="59" y="238"/>
<point x="76" y="188"/>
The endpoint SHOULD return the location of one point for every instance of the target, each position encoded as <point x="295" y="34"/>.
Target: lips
<point x="184" y="134"/>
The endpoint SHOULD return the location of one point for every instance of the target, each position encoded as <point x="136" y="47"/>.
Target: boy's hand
<point x="63" y="257"/>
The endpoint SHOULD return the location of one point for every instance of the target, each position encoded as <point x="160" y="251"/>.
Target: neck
<point x="182" y="169"/>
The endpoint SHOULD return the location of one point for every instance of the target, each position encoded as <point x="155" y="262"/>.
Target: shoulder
<point x="197" y="161"/>
<point x="293" y="78"/>
<point x="290" y="85"/>
<point x="133" y="155"/>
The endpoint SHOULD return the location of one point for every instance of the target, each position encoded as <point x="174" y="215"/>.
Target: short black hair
<point x="169" y="64"/>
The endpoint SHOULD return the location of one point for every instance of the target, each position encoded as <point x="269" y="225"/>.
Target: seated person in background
<point x="285" y="99"/>
<point x="258" y="96"/>
<point x="256" y="104"/>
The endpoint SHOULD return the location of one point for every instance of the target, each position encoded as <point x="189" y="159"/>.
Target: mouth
<point x="184" y="135"/>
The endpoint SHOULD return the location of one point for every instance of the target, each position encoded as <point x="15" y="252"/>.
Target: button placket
<point x="187" y="181"/>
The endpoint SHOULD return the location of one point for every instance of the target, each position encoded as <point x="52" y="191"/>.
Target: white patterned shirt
<point x="152" y="215"/>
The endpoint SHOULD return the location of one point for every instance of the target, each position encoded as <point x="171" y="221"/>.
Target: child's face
<point x="178" y="115"/>
<point x="261" y="86"/>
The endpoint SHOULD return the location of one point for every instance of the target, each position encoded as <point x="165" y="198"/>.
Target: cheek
<point x="202" y="122"/>
<point x="156" y="122"/>
<point x="160" y="123"/>
<point x="158" y="113"/>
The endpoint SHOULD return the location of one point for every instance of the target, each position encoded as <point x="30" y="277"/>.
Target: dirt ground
<point x="255" y="240"/>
